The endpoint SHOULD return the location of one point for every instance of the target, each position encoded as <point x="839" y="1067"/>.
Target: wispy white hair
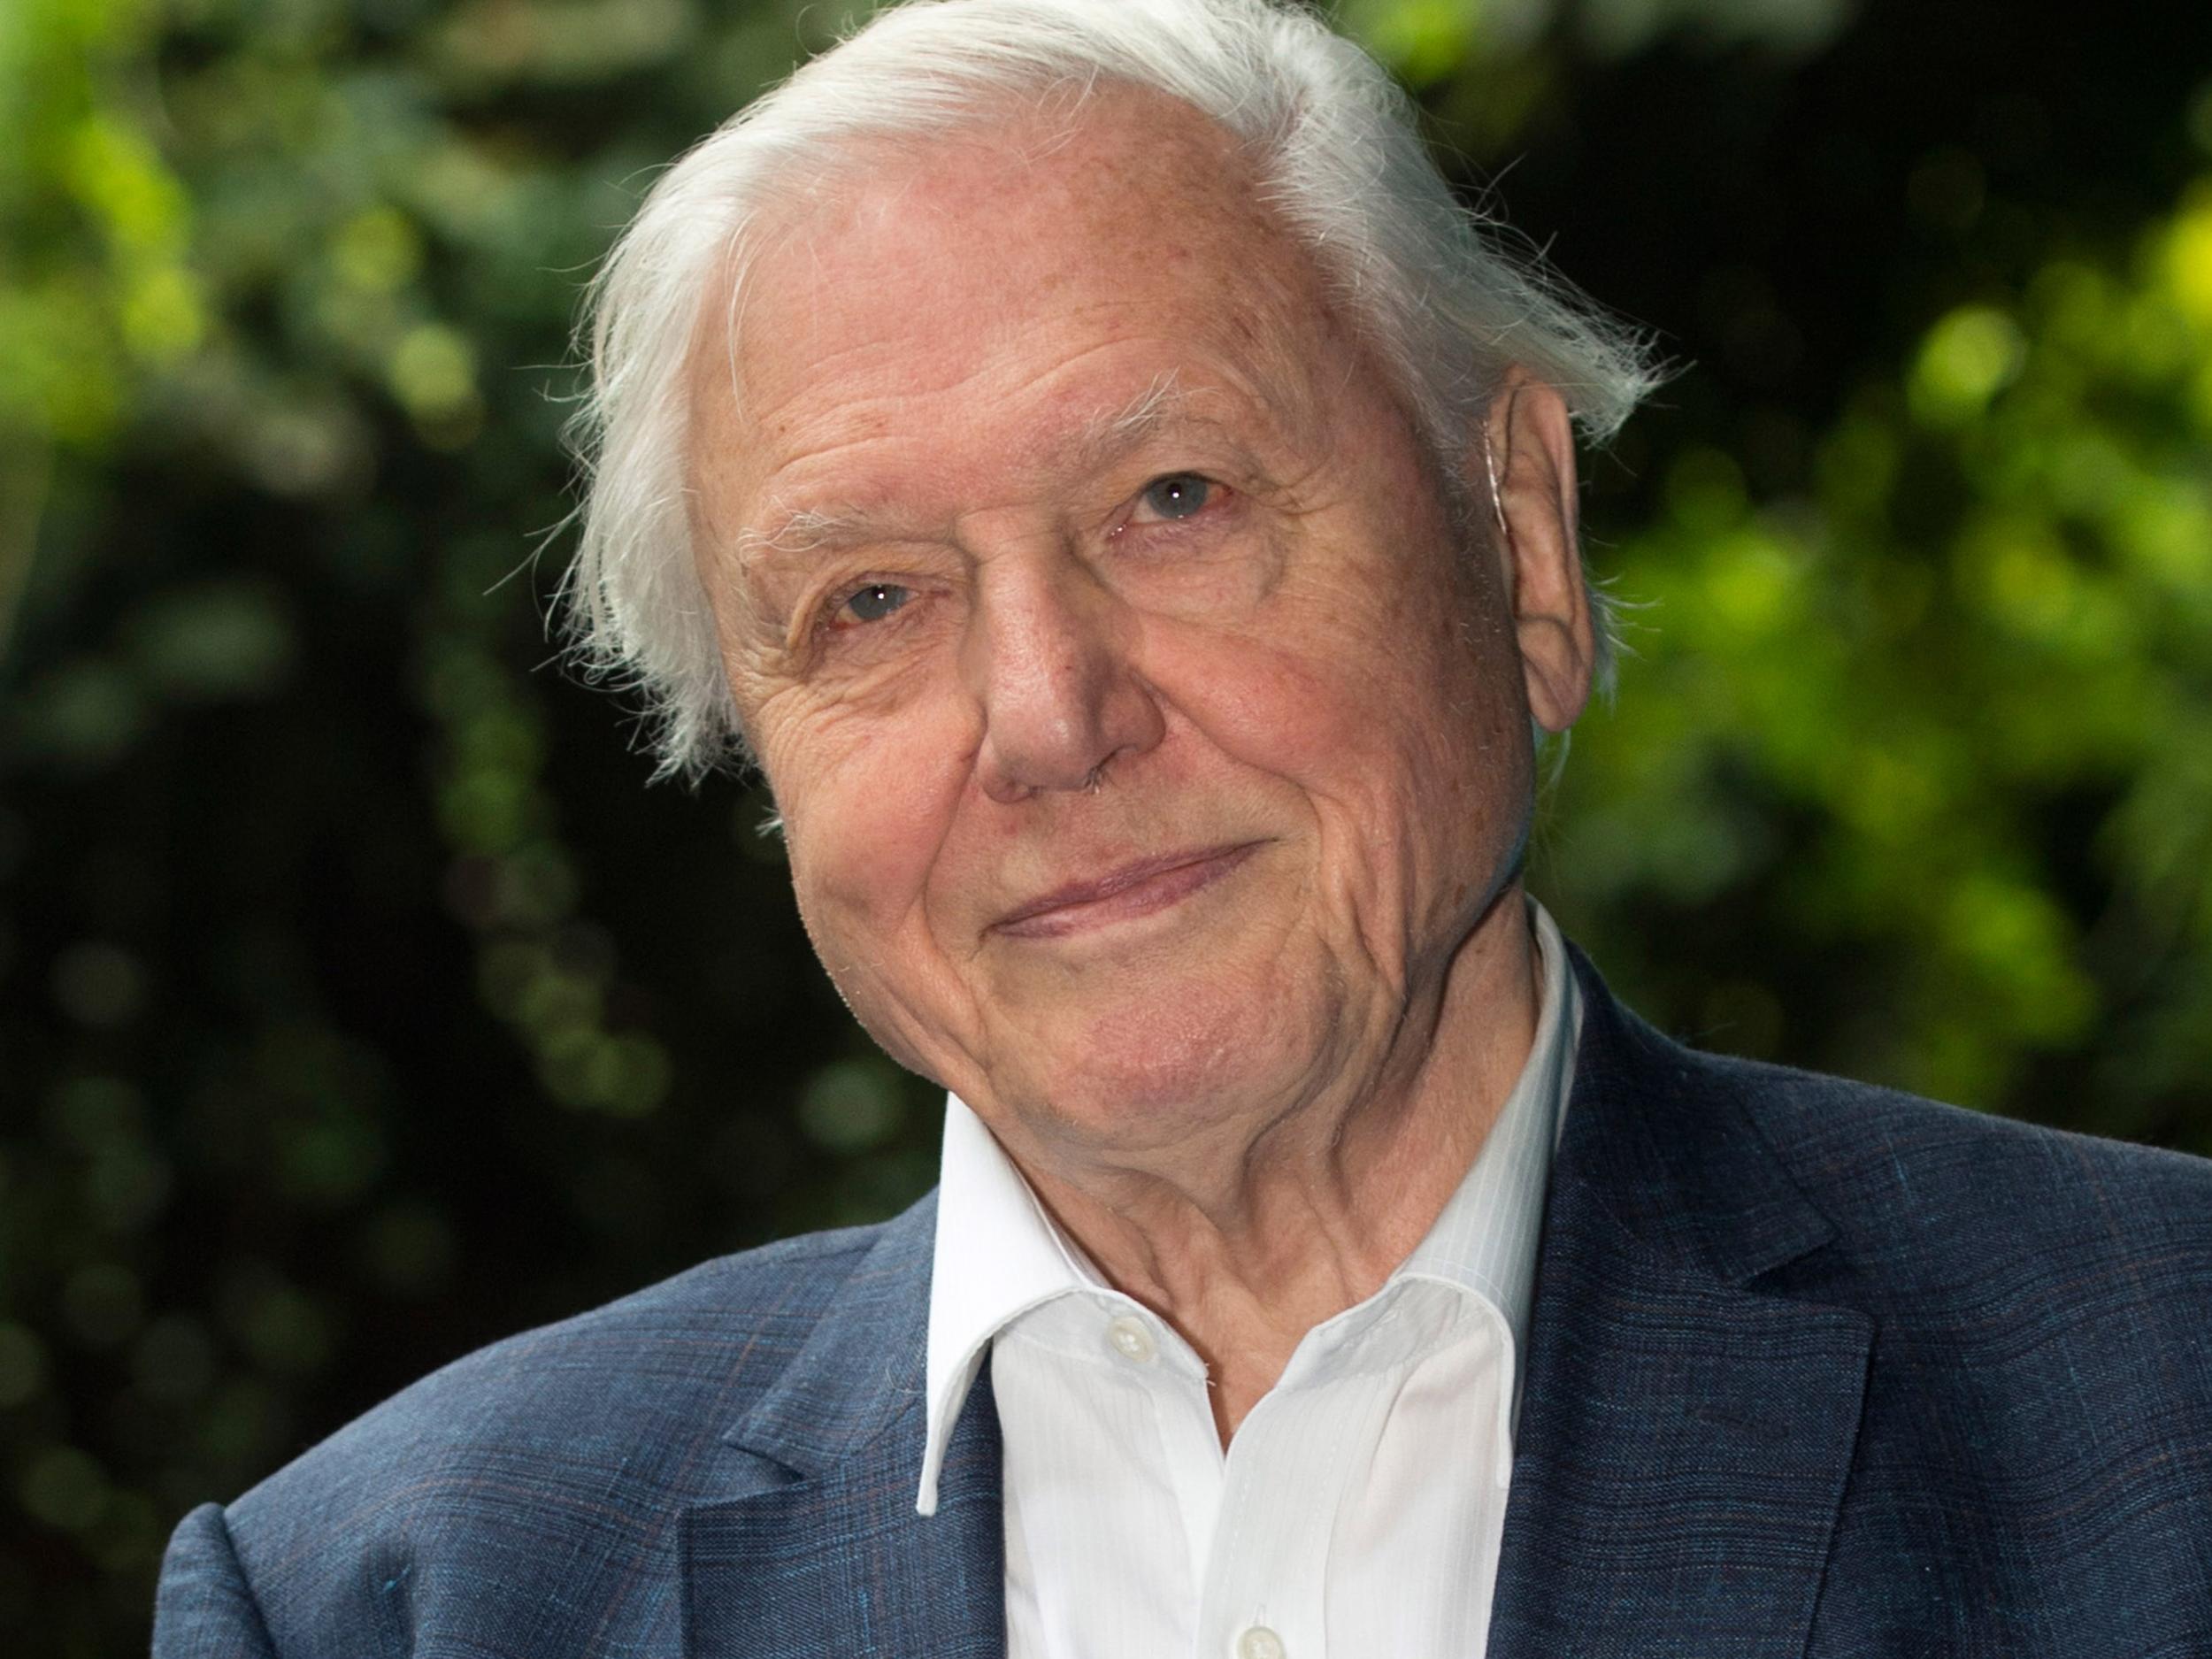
<point x="1429" y="283"/>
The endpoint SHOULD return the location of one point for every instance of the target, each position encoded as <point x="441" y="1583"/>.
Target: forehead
<point x="1062" y="264"/>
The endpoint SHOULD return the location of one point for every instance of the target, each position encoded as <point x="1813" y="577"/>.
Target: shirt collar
<point x="998" y="1255"/>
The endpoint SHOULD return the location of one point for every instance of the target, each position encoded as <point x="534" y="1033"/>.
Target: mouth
<point x="1133" y="890"/>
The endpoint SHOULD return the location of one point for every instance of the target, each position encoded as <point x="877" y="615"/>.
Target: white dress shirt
<point x="1357" y="1510"/>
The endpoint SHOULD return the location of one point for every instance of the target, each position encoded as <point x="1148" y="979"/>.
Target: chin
<point x="1161" y="1068"/>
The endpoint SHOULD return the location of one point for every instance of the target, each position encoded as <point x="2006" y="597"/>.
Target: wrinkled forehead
<point x="1126" y="198"/>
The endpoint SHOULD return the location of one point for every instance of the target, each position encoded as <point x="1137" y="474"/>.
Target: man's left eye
<point x="1178" y="495"/>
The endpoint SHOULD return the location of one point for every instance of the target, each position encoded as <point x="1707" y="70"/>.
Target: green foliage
<point x="1945" y="716"/>
<point x="357" y="1005"/>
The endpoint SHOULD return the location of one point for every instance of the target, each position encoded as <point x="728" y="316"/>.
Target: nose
<point x="1047" y="658"/>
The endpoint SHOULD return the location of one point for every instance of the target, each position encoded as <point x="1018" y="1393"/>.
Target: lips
<point x="1134" y="889"/>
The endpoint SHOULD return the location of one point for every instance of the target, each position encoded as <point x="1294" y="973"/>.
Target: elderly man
<point x="1080" y="451"/>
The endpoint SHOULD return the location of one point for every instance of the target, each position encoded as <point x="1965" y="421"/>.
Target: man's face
<point x="1143" y="740"/>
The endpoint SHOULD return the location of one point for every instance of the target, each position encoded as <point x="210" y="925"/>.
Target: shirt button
<point x="1133" y="1341"/>
<point x="1259" y="1642"/>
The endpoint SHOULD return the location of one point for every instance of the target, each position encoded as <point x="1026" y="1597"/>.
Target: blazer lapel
<point x="827" y="1555"/>
<point x="1685" y="1431"/>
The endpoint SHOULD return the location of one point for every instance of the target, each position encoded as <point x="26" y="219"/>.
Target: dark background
<point x="359" y="1004"/>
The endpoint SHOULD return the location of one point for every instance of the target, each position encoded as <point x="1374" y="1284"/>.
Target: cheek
<point x="1395" y="731"/>
<point x="1360" y="705"/>
<point x="865" y="806"/>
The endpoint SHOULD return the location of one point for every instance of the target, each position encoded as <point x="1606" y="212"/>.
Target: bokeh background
<point x="358" y="1003"/>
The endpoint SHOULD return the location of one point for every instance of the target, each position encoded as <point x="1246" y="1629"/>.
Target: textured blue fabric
<point x="1814" y="1369"/>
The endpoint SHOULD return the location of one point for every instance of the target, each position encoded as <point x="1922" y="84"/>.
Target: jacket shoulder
<point x="707" y="1339"/>
<point x="1894" y="1173"/>
<point x="544" y="1474"/>
<point x="1878" y="1161"/>
<point x="2036" y="1423"/>
<point x="1976" y="1239"/>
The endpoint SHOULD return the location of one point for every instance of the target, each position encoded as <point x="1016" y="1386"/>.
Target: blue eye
<point x="876" y="601"/>
<point x="1178" y="495"/>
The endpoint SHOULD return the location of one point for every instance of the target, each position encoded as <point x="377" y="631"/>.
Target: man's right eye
<point x="871" y="602"/>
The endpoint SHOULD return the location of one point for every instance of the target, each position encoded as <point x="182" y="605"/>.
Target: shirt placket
<point x="1265" y="1594"/>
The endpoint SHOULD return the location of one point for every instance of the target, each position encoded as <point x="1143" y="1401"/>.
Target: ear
<point x="1528" y="467"/>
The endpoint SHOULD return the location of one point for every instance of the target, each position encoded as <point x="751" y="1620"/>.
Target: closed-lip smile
<point x="1134" y="889"/>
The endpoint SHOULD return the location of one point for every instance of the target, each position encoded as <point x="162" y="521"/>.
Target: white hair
<point x="1425" y="281"/>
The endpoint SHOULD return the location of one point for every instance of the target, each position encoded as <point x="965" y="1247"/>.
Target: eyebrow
<point x="1096" y="444"/>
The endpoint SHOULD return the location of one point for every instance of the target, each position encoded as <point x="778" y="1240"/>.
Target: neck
<point x="1246" y="1246"/>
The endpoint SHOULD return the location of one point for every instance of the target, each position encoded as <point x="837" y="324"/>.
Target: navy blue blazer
<point x="1814" y="1369"/>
